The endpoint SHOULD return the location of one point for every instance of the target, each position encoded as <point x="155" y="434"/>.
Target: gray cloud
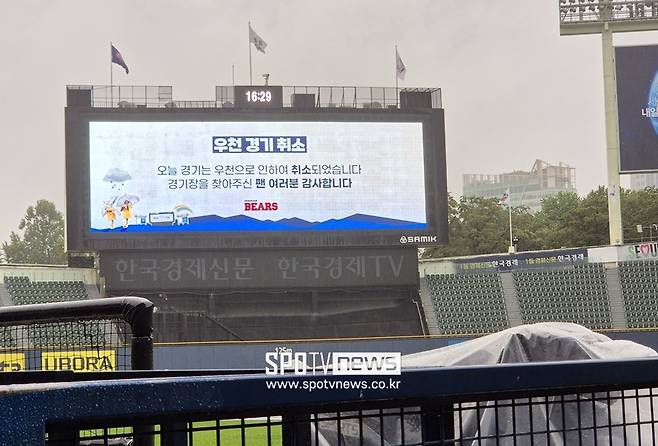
<point x="116" y="175"/>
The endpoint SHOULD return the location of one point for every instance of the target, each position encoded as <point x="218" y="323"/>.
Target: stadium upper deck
<point x="161" y="96"/>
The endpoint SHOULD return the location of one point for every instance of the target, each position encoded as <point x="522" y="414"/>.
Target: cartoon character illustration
<point x="126" y="212"/>
<point x="183" y="213"/>
<point x="119" y="201"/>
<point x="110" y="214"/>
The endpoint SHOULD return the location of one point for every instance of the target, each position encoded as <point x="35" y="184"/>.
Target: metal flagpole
<point x="111" y="88"/>
<point x="509" y="207"/>
<point x="397" y="94"/>
<point x="233" y="73"/>
<point x="251" y="82"/>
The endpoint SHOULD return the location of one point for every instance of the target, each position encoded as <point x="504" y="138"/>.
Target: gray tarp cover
<point x="527" y="343"/>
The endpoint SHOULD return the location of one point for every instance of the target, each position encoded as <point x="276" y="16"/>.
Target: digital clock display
<point x="258" y="96"/>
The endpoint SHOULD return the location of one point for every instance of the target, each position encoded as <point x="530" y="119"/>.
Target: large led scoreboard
<point x="257" y="175"/>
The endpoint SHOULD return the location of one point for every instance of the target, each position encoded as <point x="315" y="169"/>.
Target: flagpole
<point x="111" y="89"/>
<point x="251" y="81"/>
<point x="509" y="207"/>
<point x="397" y="95"/>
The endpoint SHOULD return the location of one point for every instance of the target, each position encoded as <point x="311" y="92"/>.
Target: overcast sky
<point x="513" y="89"/>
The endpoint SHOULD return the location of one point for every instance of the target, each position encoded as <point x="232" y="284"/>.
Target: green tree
<point x="556" y="224"/>
<point x="42" y="239"/>
<point x="592" y="221"/>
<point x="639" y="208"/>
<point x="479" y="225"/>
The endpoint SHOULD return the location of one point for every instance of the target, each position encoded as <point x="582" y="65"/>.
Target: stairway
<point x="511" y="299"/>
<point x="428" y="308"/>
<point x="617" y="311"/>
<point x="5" y="300"/>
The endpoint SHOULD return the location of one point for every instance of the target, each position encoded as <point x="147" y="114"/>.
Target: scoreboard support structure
<point x="607" y="17"/>
<point x="252" y="194"/>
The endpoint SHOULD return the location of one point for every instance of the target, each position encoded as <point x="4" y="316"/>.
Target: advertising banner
<point x="79" y="361"/>
<point x="217" y="270"/>
<point x="12" y="362"/>
<point x="522" y="260"/>
<point x="638" y="251"/>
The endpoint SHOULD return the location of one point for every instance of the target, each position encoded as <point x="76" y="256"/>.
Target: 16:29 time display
<point x="258" y="95"/>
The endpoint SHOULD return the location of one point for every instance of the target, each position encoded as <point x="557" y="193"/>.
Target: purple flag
<point x="117" y="58"/>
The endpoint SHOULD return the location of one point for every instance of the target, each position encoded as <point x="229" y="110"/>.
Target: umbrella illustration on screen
<point x="121" y="199"/>
<point x="126" y="203"/>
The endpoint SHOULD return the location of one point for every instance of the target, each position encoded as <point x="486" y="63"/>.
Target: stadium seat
<point x="468" y="303"/>
<point x="639" y="287"/>
<point x="22" y="291"/>
<point x="574" y="294"/>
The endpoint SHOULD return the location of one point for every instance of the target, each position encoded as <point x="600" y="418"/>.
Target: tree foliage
<point x="40" y="239"/>
<point x="481" y="226"/>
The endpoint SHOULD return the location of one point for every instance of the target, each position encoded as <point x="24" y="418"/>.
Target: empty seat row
<point x="22" y="291"/>
<point x="468" y="303"/>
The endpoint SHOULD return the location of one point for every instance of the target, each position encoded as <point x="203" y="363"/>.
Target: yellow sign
<point x="12" y="362"/>
<point x="80" y="361"/>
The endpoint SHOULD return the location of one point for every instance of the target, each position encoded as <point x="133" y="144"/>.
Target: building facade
<point x="527" y="188"/>
<point x="640" y="181"/>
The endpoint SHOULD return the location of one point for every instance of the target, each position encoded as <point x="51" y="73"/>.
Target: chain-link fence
<point x="101" y="335"/>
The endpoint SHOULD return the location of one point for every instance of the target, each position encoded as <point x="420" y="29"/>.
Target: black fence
<point x="568" y="403"/>
<point x="83" y="336"/>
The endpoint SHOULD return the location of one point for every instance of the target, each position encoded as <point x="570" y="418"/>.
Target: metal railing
<point x="127" y="96"/>
<point x="566" y="403"/>
<point x="340" y="96"/>
<point x="86" y="335"/>
<point x="579" y="11"/>
<point x="131" y="97"/>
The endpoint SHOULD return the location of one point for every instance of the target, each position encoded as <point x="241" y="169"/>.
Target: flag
<point x="505" y="198"/>
<point x="254" y="38"/>
<point x="117" y="58"/>
<point x="400" y="69"/>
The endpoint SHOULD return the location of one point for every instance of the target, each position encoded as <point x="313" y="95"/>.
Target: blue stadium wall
<point x="244" y="355"/>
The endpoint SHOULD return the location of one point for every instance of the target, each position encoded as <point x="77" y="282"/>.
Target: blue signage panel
<point x="522" y="260"/>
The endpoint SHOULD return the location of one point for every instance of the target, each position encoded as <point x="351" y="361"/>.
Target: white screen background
<point x="391" y="184"/>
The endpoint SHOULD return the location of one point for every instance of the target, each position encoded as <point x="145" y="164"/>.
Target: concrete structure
<point x="640" y="181"/>
<point x="527" y="188"/>
<point x="607" y="17"/>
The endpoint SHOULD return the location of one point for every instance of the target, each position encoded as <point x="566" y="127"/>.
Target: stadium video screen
<point x="637" y="102"/>
<point x="182" y="177"/>
<point x="234" y="179"/>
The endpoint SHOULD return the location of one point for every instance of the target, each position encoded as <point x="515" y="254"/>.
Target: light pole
<point x="607" y="17"/>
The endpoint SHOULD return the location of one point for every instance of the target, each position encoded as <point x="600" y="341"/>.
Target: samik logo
<point x="419" y="239"/>
<point x="255" y="205"/>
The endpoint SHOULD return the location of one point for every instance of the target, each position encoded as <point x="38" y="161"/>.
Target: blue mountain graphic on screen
<point x="206" y="223"/>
